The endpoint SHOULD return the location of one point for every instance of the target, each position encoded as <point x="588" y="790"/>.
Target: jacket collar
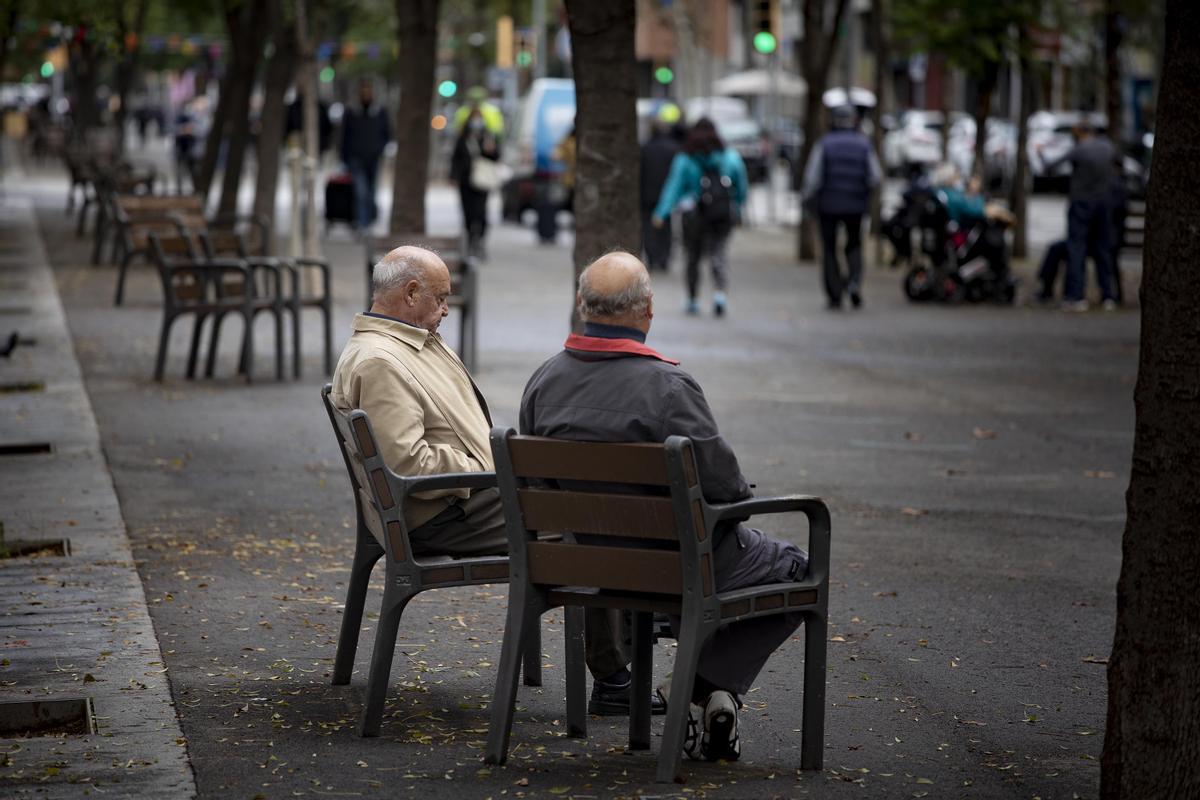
<point x="595" y="344"/>
<point x="411" y="335"/>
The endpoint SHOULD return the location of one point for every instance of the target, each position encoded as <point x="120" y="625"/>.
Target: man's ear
<point x="412" y="290"/>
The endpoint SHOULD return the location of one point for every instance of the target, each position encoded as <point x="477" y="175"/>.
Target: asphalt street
<point x="974" y="459"/>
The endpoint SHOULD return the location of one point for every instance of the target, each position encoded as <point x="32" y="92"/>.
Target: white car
<point x="916" y="141"/>
<point x="1050" y="137"/>
<point x="999" y="151"/>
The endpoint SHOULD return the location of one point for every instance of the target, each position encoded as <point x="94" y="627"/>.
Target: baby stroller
<point x="958" y="262"/>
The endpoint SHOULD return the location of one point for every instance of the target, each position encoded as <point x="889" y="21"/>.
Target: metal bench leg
<point x="576" y="673"/>
<point x="521" y="614"/>
<point x="247" y="359"/>
<point x="639" y="690"/>
<point x="365" y="556"/>
<point x="121" y="270"/>
<point x="160" y="361"/>
<point x="296" y="346"/>
<point x="210" y="360"/>
<point x="812" y="737"/>
<point x="279" y="358"/>
<point x="532" y="650"/>
<point x="394" y="601"/>
<point x="194" y="349"/>
<point x="687" y="656"/>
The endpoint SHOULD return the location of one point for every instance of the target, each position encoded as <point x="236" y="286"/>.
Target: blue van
<point x="544" y="117"/>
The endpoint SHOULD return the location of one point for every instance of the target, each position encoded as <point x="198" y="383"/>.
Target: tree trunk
<point x="607" y="165"/>
<point x="1112" y="71"/>
<point x="1019" y="189"/>
<point x="280" y="71"/>
<point x="8" y="26"/>
<point x="983" y="107"/>
<point x="306" y="79"/>
<point x="246" y="41"/>
<point x="86" y="61"/>
<point x="216" y="133"/>
<point x="127" y="67"/>
<point x="1152" y="742"/>
<point x="879" y="43"/>
<point x="820" y="44"/>
<point x="417" y="24"/>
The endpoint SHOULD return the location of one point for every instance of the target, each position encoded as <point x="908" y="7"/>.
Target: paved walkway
<point x="974" y="459"/>
<point x="73" y="626"/>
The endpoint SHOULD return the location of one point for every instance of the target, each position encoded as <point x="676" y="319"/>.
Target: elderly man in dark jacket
<point x="841" y="172"/>
<point x="608" y="385"/>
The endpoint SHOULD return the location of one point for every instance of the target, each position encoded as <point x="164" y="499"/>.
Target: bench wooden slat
<point x="535" y="457"/>
<point x="585" y="512"/>
<point x="623" y="569"/>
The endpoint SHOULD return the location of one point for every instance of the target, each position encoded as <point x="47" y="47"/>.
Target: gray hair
<point x="395" y="271"/>
<point x="633" y="299"/>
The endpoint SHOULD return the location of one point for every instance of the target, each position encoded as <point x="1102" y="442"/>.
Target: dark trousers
<point x="656" y="242"/>
<point x="834" y="280"/>
<point x="701" y="240"/>
<point x="364" y="173"/>
<point x="1056" y="255"/>
<point x="474" y="211"/>
<point x="475" y="527"/>
<point x="1089" y="229"/>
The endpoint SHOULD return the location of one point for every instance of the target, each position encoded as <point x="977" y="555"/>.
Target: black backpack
<point x="715" y="204"/>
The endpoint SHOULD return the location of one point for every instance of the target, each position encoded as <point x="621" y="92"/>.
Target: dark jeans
<point x="700" y="240"/>
<point x="364" y="173"/>
<point x="1056" y="255"/>
<point x="474" y="211"/>
<point x="656" y="241"/>
<point x="1089" y="229"/>
<point x="834" y="281"/>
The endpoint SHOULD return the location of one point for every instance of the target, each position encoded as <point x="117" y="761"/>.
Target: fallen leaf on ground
<point x="1095" y="659"/>
<point x="914" y="512"/>
<point x="984" y="433"/>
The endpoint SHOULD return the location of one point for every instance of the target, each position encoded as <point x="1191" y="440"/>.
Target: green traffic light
<point x="524" y="58"/>
<point x="664" y="75"/>
<point x="447" y="89"/>
<point x="327" y="75"/>
<point x="764" y="42"/>
<point x="47" y="69"/>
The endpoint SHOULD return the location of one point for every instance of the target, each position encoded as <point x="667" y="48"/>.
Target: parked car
<point x="999" y="150"/>
<point x="916" y="141"/>
<point x="544" y="117"/>
<point x="749" y="139"/>
<point x="1050" y="137"/>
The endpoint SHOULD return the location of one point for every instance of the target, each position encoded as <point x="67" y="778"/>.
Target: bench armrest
<point x="812" y="507"/>
<point x="450" y="480"/>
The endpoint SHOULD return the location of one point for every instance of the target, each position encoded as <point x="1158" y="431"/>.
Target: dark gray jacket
<point x="1093" y="163"/>
<point x="629" y="396"/>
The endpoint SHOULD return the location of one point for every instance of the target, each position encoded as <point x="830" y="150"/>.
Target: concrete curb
<point x="74" y="626"/>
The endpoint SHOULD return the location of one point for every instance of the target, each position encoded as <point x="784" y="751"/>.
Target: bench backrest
<point x="554" y="485"/>
<point x="376" y="499"/>
<point x="172" y="254"/>
<point x="134" y="206"/>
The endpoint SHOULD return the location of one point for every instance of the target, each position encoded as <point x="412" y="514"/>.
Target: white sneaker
<point x="720" y="740"/>
<point x="1110" y="305"/>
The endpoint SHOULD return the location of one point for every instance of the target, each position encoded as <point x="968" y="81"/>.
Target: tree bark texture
<point x="983" y="107"/>
<point x="816" y="57"/>
<point x="127" y="67"/>
<point x="1152" y="742"/>
<point x="883" y="61"/>
<point x="1112" y="71"/>
<point x="607" y="163"/>
<point x="246" y="40"/>
<point x="86" y="62"/>
<point x="280" y="71"/>
<point x="417" y="22"/>
<point x="8" y="26"/>
<point x="1020" y="189"/>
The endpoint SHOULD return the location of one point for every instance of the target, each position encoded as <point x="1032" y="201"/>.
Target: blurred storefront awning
<point x="756" y="82"/>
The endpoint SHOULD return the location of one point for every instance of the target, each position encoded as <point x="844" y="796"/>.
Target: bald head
<point x="411" y="284"/>
<point x="615" y="290"/>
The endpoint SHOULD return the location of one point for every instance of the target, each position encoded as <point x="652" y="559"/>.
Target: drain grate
<point x="22" y="387"/>
<point x="15" y="309"/>
<point x="25" y="449"/>
<point x="46" y="548"/>
<point x="70" y="716"/>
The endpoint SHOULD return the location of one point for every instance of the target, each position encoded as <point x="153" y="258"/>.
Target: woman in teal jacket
<point x="708" y="181"/>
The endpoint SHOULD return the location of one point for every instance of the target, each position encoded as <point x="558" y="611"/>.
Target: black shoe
<point x="612" y="700"/>
<point x="834" y="304"/>
<point x="856" y="299"/>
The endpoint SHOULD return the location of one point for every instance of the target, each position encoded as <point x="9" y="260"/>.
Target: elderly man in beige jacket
<point x="431" y="418"/>
<point x="428" y="414"/>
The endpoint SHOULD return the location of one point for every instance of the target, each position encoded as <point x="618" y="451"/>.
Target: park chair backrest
<point x="173" y="254"/>
<point x="584" y="488"/>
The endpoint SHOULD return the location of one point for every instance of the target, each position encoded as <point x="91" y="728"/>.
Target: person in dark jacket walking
<point x="607" y="385"/>
<point x="475" y="141"/>
<point x="1089" y="216"/>
<point x="657" y="154"/>
<point x="365" y="132"/>
<point x="838" y="180"/>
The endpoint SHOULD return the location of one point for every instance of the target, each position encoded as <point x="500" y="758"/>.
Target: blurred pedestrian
<point x="838" y="179"/>
<point x="708" y="181"/>
<point x="191" y="130"/>
<point x="566" y="151"/>
<point x="474" y="166"/>
<point x="365" y="133"/>
<point x="657" y="154"/>
<point x="1089" y="215"/>
<point x="477" y="100"/>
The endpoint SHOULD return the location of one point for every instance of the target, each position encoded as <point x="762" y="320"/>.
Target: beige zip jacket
<point x="427" y="413"/>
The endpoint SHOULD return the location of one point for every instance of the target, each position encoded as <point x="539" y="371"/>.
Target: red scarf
<point x="596" y="344"/>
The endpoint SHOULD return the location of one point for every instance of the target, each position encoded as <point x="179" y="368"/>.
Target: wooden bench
<point x="674" y="576"/>
<point x="463" y="283"/>
<point x="210" y="288"/>
<point x="136" y="217"/>
<point x="380" y="498"/>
